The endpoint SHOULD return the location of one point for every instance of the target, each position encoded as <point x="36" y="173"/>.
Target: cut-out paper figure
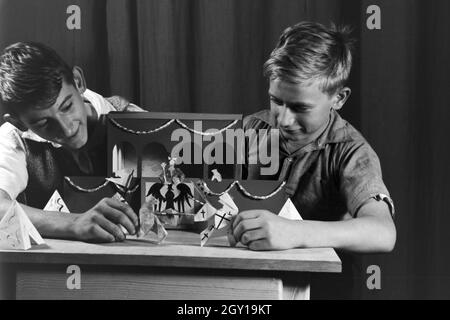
<point x="56" y="203"/>
<point x="184" y="191"/>
<point x="219" y="224"/>
<point x="216" y="175"/>
<point x="172" y="194"/>
<point x="16" y="229"/>
<point x="169" y="197"/>
<point x="155" y="192"/>
<point x="206" y="234"/>
<point x="228" y="203"/>
<point x="205" y="212"/>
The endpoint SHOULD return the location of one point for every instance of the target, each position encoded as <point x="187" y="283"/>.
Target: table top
<point x="179" y="249"/>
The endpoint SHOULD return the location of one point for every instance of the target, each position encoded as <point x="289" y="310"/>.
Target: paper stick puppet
<point x="16" y="229"/>
<point x="56" y="203"/>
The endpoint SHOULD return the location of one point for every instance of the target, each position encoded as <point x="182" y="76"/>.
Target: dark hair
<point x="31" y="74"/>
<point x="308" y="52"/>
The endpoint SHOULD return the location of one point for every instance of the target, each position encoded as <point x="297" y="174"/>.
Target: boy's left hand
<point x="263" y="230"/>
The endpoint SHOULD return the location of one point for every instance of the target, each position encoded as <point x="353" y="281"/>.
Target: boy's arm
<point x="99" y="224"/>
<point x="372" y="230"/>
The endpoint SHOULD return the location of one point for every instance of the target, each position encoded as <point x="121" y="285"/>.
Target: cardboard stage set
<point x="160" y="164"/>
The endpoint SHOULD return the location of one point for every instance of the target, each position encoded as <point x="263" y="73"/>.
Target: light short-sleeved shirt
<point x="331" y="177"/>
<point x="14" y="176"/>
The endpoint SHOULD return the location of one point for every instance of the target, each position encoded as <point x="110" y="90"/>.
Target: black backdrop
<point x="206" y="56"/>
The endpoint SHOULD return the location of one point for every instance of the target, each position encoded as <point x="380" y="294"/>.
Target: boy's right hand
<point x="102" y="222"/>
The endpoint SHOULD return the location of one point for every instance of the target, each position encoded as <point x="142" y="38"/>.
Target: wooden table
<point x="176" y="269"/>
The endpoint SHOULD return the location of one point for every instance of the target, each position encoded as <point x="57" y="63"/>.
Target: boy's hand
<point x="262" y="230"/>
<point x="102" y="222"/>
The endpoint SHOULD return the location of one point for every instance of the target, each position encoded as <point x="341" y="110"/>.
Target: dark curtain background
<point x="207" y="56"/>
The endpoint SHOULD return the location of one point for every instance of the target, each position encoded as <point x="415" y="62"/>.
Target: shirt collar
<point x="337" y="130"/>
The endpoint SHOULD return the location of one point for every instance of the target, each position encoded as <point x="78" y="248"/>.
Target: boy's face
<point x="65" y="122"/>
<point x="301" y="112"/>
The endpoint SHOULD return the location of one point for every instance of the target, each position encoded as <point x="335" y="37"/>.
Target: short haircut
<point x="31" y="75"/>
<point x="308" y="52"/>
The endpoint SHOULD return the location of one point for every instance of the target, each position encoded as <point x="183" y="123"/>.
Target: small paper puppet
<point x="16" y="229"/>
<point x="56" y="203"/>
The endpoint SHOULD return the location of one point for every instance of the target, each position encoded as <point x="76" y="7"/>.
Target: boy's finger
<point x="231" y="239"/>
<point x="119" y="217"/>
<point x="245" y="225"/>
<point x="251" y="236"/>
<point x="259" y="245"/>
<point x="125" y="208"/>
<point x="249" y="214"/>
<point x="100" y="235"/>
<point x="111" y="228"/>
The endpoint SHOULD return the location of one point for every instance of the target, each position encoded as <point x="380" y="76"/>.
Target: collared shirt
<point x="330" y="177"/>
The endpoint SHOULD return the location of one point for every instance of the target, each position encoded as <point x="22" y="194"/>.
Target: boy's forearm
<point x="366" y="234"/>
<point x="49" y="224"/>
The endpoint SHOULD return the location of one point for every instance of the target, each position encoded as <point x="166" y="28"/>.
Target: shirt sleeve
<point x="13" y="167"/>
<point x="361" y="178"/>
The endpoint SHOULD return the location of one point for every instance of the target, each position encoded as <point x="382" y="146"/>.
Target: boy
<point x="54" y="127"/>
<point x="335" y="177"/>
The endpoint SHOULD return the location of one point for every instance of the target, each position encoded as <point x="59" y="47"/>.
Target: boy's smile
<point x="301" y="112"/>
<point x="64" y="122"/>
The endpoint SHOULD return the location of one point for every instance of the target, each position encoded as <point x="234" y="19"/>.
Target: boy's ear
<point x="341" y="98"/>
<point x="15" y="122"/>
<point x="79" y="80"/>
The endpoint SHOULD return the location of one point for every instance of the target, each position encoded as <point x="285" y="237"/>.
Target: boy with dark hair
<point x="335" y="177"/>
<point x="54" y="127"/>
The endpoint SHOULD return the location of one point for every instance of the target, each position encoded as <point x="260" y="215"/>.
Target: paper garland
<point x="168" y="123"/>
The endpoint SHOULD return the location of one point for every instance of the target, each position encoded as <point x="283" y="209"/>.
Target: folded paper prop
<point x="16" y="229"/>
<point x="289" y="211"/>
<point x="150" y="228"/>
<point x="56" y="203"/>
<point x="219" y="224"/>
<point x="248" y="195"/>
